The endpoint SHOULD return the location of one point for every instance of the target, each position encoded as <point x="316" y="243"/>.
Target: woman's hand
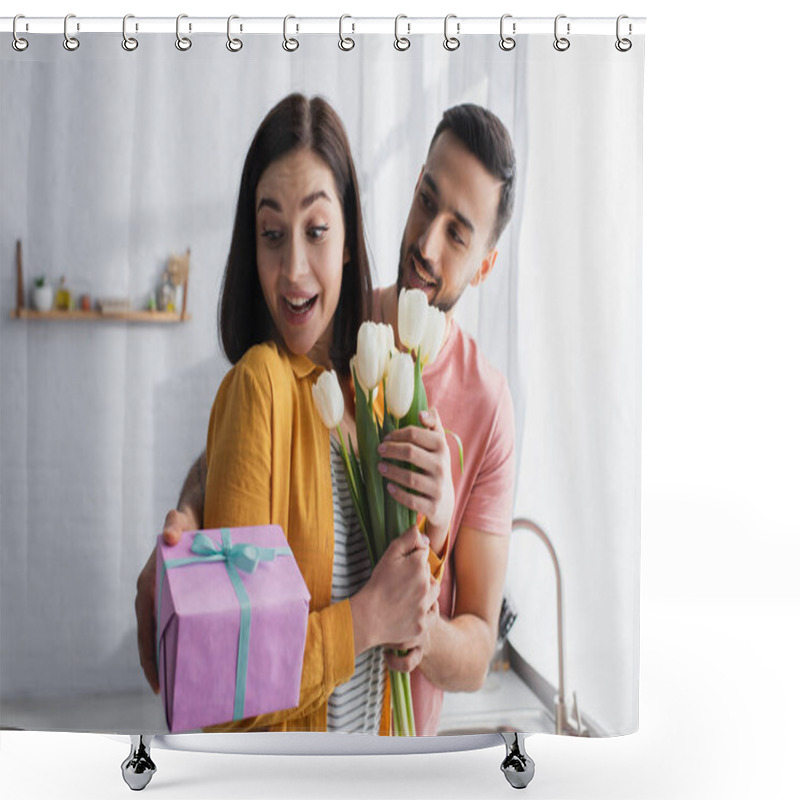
<point x="400" y="601"/>
<point x="433" y="495"/>
<point x="412" y="657"/>
<point x="175" y="524"/>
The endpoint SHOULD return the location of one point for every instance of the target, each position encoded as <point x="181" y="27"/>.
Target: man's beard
<point x="443" y="302"/>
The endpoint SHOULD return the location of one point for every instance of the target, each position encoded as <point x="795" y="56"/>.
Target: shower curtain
<point x="112" y="161"/>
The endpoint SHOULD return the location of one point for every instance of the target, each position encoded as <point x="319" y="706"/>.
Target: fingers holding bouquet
<point x="398" y="602"/>
<point x="416" y="465"/>
<point x="407" y="656"/>
<point x="402" y="469"/>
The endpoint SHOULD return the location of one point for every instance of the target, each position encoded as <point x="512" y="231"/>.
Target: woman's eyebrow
<point x="313" y="197"/>
<point x="268" y="202"/>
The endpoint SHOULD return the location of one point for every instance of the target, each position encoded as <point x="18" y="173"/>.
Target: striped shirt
<point x="354" y="706"/>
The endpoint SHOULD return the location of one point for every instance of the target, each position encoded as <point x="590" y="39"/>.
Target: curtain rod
<point x="349" y="25"/>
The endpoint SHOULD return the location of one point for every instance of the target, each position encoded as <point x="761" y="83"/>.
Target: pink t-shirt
<point x="473" y="400"/>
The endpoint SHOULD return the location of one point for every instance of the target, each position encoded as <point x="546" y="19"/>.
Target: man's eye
<point x="427" y="203"/>
<point x="455" y="236"/>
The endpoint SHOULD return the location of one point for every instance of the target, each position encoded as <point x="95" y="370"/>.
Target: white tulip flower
<point x="328" y="399"/>
<point x="433" y="336"/>
<point x="400" y="385"/>
<point x="372" y="355"/>
<point x="388" y="333"/>
<point x="412" y="316"/>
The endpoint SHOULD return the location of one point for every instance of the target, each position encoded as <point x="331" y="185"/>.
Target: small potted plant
<point x="42" y="294"/>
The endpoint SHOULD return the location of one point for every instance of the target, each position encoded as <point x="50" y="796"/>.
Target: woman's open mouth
<point x="297" y="309"/>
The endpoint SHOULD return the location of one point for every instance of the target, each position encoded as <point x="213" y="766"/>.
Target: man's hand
<point x="432" y="483"/>
<point x="174" y="526"/>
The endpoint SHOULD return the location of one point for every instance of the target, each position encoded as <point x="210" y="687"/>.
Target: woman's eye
<point x="317" y="231"/>
<point x="271" y="235"/>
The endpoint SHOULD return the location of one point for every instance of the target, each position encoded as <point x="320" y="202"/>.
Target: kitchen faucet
<point x="563" y="725"/>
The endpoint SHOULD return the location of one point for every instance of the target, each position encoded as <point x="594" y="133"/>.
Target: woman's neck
<point x="320" y="352"/>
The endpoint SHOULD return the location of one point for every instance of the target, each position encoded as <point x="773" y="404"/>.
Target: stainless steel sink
<point x="521" y="721"/>
<point x="505" y="704"/>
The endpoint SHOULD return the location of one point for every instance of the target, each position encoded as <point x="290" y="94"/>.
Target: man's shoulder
<point x="472" y="363"/>
<point x="466" y="380"/>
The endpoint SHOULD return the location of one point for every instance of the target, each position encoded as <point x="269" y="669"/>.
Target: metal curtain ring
<point x="233" y="44"/>
<point x="18" y="43"/>
<point x="401" y="42"/>
<point x="623" y="45"/>
<point x="128" y="42"/>
<point x="345" y="42"/>
<point x="70" y="42"/>
<point x="507" y="42"/>
<point x="289" y="44"/>
<point x="451" y="42"/>
<point x="183" y="43"/>
<point x="561" y="43"/>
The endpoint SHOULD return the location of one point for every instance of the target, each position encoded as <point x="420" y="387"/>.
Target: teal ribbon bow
<point x="243" y="557"/>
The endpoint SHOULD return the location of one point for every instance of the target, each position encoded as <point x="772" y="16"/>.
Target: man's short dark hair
<point x="485" y="136"/>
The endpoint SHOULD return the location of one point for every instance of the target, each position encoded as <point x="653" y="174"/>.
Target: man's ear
<point x="487" y="265"/>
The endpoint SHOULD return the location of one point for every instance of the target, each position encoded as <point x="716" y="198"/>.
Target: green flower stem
<point x="368" y="440"/>
<point x="395" y="705"/>
<point x="402" y="706"/>
<point x="399" y="518"/>
<point x="419" y="401"/>
<point x="355" y="483"/>
<point x="406" y="681"/>
<point x="406" y="516"/>
<point x="399" y="711"/>
<point x="460" y="447"/>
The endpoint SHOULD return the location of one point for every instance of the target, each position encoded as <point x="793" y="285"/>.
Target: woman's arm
<point x="394" y="607"/>
<point x="238" y="493"/>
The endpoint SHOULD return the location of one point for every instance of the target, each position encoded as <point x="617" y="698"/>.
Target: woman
<point x="296" y="289"/>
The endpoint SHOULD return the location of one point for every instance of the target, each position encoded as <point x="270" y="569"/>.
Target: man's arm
<point x="193" y="494"/>
<point x="188" y="516"/>
<point x="456" y="654"/>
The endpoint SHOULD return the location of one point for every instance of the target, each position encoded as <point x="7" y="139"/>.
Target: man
<point x="462" y="202"/>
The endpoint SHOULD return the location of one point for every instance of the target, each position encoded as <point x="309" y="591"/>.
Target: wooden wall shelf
<point x="141" y="316"/>
<point x="117" y="316"/>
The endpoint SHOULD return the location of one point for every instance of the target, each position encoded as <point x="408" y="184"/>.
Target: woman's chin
<point x="298" y="347"/>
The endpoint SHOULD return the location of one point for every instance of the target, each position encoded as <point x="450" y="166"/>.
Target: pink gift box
<point x="199" y="649"/>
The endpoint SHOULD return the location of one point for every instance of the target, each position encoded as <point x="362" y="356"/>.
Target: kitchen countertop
<point x="504" y="703"/>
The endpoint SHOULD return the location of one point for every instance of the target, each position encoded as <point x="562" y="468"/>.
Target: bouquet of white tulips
<point x="421" y="330"/>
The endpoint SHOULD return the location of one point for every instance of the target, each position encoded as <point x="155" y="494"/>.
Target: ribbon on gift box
<point x="242" y="556"/>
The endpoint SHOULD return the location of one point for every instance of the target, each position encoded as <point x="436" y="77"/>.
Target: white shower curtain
<point x="113" y="160"/>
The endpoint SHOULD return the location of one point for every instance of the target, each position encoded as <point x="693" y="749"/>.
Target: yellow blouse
<point x="269" y="463"/>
